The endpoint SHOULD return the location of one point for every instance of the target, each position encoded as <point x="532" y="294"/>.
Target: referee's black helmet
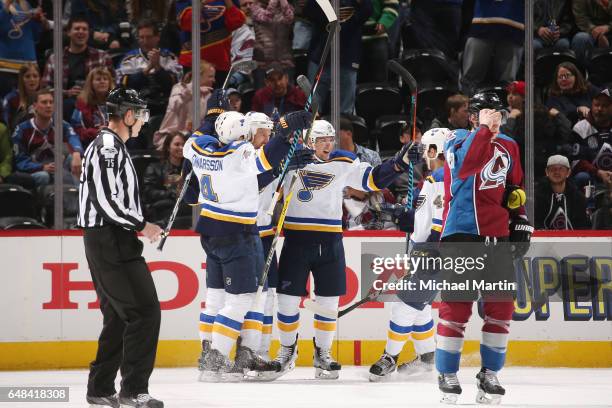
<point x="120" y="100"/>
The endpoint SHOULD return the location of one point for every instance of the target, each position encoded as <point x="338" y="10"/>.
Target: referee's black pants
<point x="130" y="307"/>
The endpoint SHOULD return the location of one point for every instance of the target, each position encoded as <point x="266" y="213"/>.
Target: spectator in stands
<point x="602" y="217"/>
<point x="594" y="146"/>
<point x="457" y="115"/>
<point x="178" y="114"/>
<point x="554" y="133"/>
<point x="33" y="143"/>
<point x="78" y="60"/>
<point x="494" y="45"/>
<point x="234" y="99"/>
<point x="353" y="14"/>
<point x="376" y="47"/>
<point x="20" y="27"/>
<point x="516" y="106"/>
<point x="163" y="13"/>
<point x="243" y="43"/>
<point x="150" y="70"/>
<point x="161" y="180"/>
<point x="103" y="17"/>
<point x="436" y="24"/>
<point x="554" y="24"/>
<point x="6" y="162"/>
<point x="219" y="19"/>
<point x="346" y="143"/>
<point x="593" y="18"/>
<point x="570" y="93"/>
<point x="273" y="24"/>
<point x="278" y="93"/>
<point x="90" y="110"/>
<point x="17" y="105"/>
<point x="559" y="204"/>
<point x="302" y="28"/>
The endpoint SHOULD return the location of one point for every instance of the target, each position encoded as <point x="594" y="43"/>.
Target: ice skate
<point x="325" y="367"/>
<point x="385" y="366"/>
<point x="286" y="358"/>
<point x="251" y="366"/>
<point x="101" y="402"/>
<point x="449" y="385"/>
<point x="140" y="401"/>
<point x="205" y="349"/>
<point x="423" y="363"/>
<point x="216" y="367"/>
<point x="490" y="391"/>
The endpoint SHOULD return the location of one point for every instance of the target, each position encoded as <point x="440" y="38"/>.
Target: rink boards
<point x="50" y="318"/>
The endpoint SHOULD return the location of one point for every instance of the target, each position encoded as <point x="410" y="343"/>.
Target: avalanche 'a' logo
<point x="494" y="173"/>
<point x="312" y="180"/>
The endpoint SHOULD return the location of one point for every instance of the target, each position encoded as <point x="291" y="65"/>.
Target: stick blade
<point x="398" y="69"/>
<point x="328" y="10"/>
<point x="246" y="65"/>
<point x="320" y="310"/>
<point x="304" y="84"/>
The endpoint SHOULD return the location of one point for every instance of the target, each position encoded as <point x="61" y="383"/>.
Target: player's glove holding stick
<point x="301" y="158"/>
<point x="292" y="122"/>
<point x="409" y="153"/>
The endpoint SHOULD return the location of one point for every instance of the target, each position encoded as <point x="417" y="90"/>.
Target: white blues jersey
<point x="227" y="180"/>
<point x="429" y="208"/>
<point x="315" y="211"/>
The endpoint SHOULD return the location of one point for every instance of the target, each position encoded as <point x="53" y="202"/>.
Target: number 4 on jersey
<point x="206" y="188"/>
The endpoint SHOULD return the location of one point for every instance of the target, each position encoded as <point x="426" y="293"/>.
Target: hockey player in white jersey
<point x="411" y="315"/>
<point x="226" y="170"/>
<point x="313" y="240"/>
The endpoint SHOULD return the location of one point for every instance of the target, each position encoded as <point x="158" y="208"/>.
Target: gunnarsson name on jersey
<point x="207" y="164"/>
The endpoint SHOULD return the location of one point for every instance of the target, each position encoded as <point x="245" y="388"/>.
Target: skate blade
<point x="448" y="398"/>
<point x="262" y="375"/>
<point x="488" y="399"/>
<point x="322" y="374"/>
<point x="213" y="377"/>
<point x="98" y="406"/>
<point x="405" y="371"/>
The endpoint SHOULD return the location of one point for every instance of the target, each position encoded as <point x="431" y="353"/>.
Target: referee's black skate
<point x="101" y="402"/>
<point x="490" y="391"/>
<point x="205" y="350"/>
<point x="423" y="363"/>
<point x="140" y="401"/>
<point x="252" y="366"/>
<point x="325" y="367"/>
<point x="449" y="385"/>
<point x="385" y="365"/>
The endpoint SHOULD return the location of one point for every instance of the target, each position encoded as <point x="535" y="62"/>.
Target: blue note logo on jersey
<point x="312" y="180"/>
<point x="494" y="173"/>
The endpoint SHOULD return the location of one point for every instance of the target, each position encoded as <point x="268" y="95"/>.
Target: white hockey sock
<point x="423" y="332"/>
<point x="214" y="301"/>
<point x="253" y="324"/>
<point x="228" y="322"/>
<point x="288" y="318"/>
<point x="268" y="320"/>
<point x="325" y="328"/>
<point x="400" y="326"/>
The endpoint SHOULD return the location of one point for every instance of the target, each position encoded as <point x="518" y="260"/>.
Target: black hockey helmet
<point x="120" y="100"/>
<point x="485" y="100"/>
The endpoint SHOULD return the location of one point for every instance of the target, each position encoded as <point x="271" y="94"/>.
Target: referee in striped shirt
<point x="110" y="213"/>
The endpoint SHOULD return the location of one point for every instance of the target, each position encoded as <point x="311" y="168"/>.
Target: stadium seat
<point x="70" y="204"/>
<point x="600" y="66"/>
<point x="141" y="159"/>
<point x="431" y="101"/>
<point x="377" y="99"/>
<point x="546" y="62"/>
<point x="300" y="58"/>
<point x="14" y="223"/>
<point x="430" y="66"/>
<point x="388" y="131"/>
<point x="16" y="201"/>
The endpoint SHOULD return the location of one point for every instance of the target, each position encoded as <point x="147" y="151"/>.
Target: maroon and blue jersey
<point x="477" y="169"/>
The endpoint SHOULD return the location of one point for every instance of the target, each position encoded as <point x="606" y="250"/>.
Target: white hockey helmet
<point x="436" y="137"/>
<point x="320" y="128"/>
<point x="231" y="126"/>
<point x="257" y="120"/>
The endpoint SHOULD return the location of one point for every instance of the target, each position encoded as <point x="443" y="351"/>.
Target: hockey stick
<point x="247" y="65"/>
<point x="237" y="66"/>
<point x="331" y="28"/>
<point x="304" y="84"/>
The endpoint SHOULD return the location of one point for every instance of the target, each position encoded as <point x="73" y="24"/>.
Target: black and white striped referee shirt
<point x="108" y="192"/>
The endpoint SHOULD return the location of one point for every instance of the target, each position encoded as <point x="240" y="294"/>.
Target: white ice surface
<point x="525" y="387"/>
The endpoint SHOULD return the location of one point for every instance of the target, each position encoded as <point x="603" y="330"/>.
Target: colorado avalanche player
<point x="482" y="178"/>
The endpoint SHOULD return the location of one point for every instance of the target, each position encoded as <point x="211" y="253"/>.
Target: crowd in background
<point x="454" y="48"/>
